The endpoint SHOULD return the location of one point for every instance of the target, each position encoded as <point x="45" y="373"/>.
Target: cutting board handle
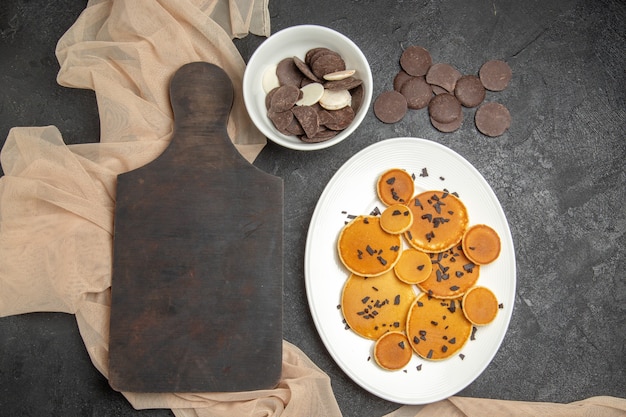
<point x="201" y="95"/>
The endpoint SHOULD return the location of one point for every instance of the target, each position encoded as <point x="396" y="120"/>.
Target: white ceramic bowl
<point x="296" y="41"/>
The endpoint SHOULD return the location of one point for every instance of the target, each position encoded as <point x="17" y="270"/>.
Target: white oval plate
<point x="352" y="191"/>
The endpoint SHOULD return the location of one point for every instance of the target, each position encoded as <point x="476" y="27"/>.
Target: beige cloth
<point x="57" y="201"/>
<point x="480" y="407"/>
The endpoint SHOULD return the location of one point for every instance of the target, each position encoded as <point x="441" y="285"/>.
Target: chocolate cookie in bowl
<point x="333" y="82"/>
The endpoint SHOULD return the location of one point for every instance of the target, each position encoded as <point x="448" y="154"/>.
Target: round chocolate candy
<point x="444" y="108"/>
<point x="417" y="92"/>
<point x="469" y="91"/>
<point x="415" y="60"/>
<point x="390" y="106"/>
<point x="492" y="119"/>
<point x="495" y="75"/>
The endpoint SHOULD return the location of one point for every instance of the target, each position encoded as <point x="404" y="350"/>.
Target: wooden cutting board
<point x="198" y="257"/>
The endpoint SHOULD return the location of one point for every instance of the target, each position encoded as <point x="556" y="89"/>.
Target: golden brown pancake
<point x="480" y="305"/>
<point x="395" y="186"/>
<point x="392" y="351"/>
<point x="452" y="274"/>
<point x="413" y="267"/>
<point x="366" y="249"/>
<point x="437" y="329"/>
<point x="396" y="219"/>
<point x="481" y="244"/>
<point x="376" y="305"/>
<point x="440" y="220"/>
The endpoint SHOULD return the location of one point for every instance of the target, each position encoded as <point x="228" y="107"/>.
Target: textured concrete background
<point x="559" y="173"/>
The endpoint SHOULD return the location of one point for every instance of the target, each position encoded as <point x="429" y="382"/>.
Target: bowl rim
<point x="304" y="146"/>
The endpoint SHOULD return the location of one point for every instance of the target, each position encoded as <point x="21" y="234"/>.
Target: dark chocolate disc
<point x="495" y="75"/>
<point x="318" y="52"/>
<point x="295" y="128"/>
<point x="346" y="84"/>
<point x="443" y="75"/>
<point x="281" y="120"/>
<point x="339" y="119"/>
<point x="284" y="98"/>
<point x="492" y="119"/>
<point x="288" y="73"/>
<point x="469" y="91"/>
<point x="448" y="127"/>
<point x="400" y="78"/>
<point x="305" y="70"/>
<point x="311" y="52"/>
<point x="438" y="90"/>
<point x="444" y="108"/>
<point x="321" y="136"/>
<point x="268" y="98"/>
<point x="357" y="97"/>
<point x="327" y="63"/>
<point x="415" y="60"/>
<point x="307" y="116"/>
<point x="390" y="106"/>
<point x="417" y="92"/>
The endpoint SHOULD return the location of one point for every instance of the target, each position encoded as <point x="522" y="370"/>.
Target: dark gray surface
<point x="559" y="173"/>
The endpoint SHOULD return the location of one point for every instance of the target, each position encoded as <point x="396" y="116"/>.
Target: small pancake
<point x="415" y="60"/>
<point x="392" y="351"/>
<point x="413" y="267"/>
<point x="492" y="119"/>
<point x="480" y="305"/>
<point x="452" y="274"/>
<point x="437" y="329"/>
<point x="396" y="219"/>
<point x="439" y="221"/>
<point x="395" y="186"/>
<point x="495" y="75"/>
<point x="390" y="106"/>
<point x="376" y="305"/>
<point x="481" y="244"/>
<point x="366" y="249"/>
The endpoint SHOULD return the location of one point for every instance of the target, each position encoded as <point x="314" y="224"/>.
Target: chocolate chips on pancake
<point x="444" y="90"/>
